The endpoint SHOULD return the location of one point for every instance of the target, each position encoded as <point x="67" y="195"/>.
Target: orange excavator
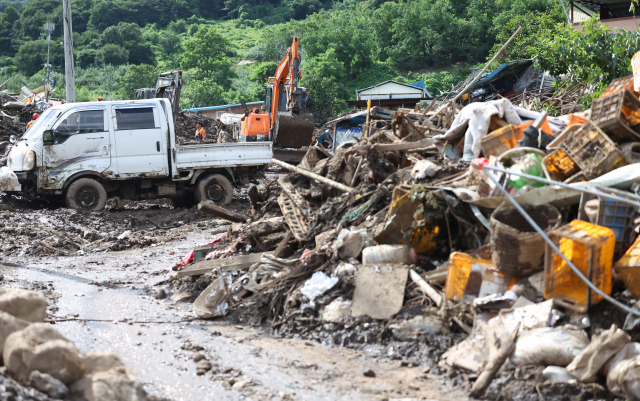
<point x="286" y="121"/>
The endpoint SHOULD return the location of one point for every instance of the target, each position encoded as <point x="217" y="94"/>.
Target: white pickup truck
<point x="87" y="152"/>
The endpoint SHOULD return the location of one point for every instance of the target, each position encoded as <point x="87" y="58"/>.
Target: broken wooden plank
<point x="278" y="252"/>
<point x="313" y="176"/>
<point x="217" y="211"/>
<point x="389" y="147"/>
<point x="230" y="264"/>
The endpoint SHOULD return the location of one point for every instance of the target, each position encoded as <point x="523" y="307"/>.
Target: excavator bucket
<point x="293" y="130"/>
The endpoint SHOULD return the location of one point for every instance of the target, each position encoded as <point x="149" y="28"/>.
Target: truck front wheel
<point x="216" y="188"/>
<point x="86" y="194"/>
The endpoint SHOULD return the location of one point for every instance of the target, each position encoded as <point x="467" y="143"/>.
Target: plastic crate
<point x="555" y="144"/>
<point x="574" y="119"/>
<point x="558" y="166"/>
<point x="593" y="151"/>
<point x="615" y="215"/>
<point x="499" y="141"/>
<point x="590" y="248"/>
<point x="469" y="278"/>
<point x="618" y="83"/>
<point x="628" y="269"/>
<point x="618" y="114"/>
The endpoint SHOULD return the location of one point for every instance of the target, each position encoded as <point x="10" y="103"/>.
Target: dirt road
<point x="153" y="337"/>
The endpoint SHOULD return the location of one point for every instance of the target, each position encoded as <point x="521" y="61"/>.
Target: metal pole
<point x="556" y="250"/>
<point x="631" y="202"/>
<point x="69" y="74"/>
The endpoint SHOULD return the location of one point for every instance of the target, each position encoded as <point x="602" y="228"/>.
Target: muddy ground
<point x="107" y="301"/>
<point x="104" y="299"/>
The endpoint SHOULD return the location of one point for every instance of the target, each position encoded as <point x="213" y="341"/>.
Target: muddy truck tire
<point x="214" y="187"/>
<point x="86" y="194"/>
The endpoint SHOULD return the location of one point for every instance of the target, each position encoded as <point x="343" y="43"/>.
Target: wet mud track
<point x="152" y="336"/>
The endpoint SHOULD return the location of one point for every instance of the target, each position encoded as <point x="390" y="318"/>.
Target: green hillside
<point x="121" y="44"/>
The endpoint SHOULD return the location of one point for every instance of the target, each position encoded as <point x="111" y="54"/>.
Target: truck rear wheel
<point x="214" y="187"/>
<point x="86" y="194"/>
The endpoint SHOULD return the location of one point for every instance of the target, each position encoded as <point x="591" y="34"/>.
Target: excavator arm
<point x="282" y="72"/>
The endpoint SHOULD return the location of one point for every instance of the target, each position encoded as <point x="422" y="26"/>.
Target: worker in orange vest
<point x="35" y="117"/>
<point x="201" y="134"/>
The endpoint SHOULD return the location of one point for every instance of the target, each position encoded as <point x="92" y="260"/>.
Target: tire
<point x="214" y="187"/>
<point x="86" y="194"/>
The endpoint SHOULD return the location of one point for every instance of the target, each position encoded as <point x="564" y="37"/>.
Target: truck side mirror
<point x="47" y="137"/>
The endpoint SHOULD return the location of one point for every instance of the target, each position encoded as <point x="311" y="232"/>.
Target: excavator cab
<point x="290" y="123"/>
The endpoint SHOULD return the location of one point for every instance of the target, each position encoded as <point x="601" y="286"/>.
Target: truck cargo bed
<point x="209" y="155"/>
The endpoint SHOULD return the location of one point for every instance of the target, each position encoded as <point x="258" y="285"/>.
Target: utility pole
<point x="48" y="29"/>
<point x="69" y="75"/>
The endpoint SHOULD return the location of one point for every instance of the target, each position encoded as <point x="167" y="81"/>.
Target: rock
<point x="409" y="330"/>
<point x="47" y="384"/>
<point x="113" y="384"/>
<point x="369" y="373"/>
<point x="203" y="365"/>
<point x="182" y="296"/>
<point x="8" y="325"/>
<point x="40" y="347"/>
<point x="101" y="361"/>
<point x="161" y="294"/>
<point x="198" y="356"/>
<point x="239" y="385"/>
<point x="107" y="379"/>
<point x="24" y="304"/>
<point x="337" y="310"/>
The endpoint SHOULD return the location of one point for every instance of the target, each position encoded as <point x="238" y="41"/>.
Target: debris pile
<point x="483" y="243"/>
<point x="217" y="131"/>
<point x="41" y="364"/>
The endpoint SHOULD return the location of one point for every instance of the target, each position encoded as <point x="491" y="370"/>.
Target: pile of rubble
<point x="11" y="124"/>
<point x="31" y="228"/>
<point x="493" y="245"/>
<point x="41" y="364"/>
<point x="217" y="131"/>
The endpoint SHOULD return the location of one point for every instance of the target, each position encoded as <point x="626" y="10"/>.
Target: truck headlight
<point x="29" y="161"/>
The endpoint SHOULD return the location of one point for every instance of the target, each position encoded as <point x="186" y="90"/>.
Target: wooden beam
<point x="217" y="211"/>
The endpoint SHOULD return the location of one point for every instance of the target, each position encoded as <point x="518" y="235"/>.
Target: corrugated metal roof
<point x="395" y="82"/>
<point x="503" y="69"/>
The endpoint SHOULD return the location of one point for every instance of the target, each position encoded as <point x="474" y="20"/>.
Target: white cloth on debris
<point x="474" y="120"/>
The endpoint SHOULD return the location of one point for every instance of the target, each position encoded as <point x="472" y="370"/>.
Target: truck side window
<point x="80" y="122"/>
<point x="131" y="119"/>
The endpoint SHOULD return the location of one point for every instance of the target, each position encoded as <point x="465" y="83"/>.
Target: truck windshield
<point x="45" y="118"/>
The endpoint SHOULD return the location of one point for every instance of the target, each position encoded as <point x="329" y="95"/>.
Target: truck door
<point x="139" y="145"/>
<point x="81" y="142"/>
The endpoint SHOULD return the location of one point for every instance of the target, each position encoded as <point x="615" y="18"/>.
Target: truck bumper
<point x="9" y="180"/>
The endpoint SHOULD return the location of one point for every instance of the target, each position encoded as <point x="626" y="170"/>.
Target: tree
<point x="7" y="21"/>
<point x="202" y="93"/>
<point x="595" y="55"/>
<point x="138" y="77"/>
<point x="322" y="77"/>
<point x="114" y="54"/>
<point x="129" y="36"/>
<point x="207" y="51"/>
<point x="31" y="56"/>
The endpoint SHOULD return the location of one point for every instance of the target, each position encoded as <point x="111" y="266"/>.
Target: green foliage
<point x="32" y="56"/>
<point x="207" y="51"/>
<point x="595" y="55"/>
<point x="201" y="93"/>
<point x="129" y="36"/>
<point x="137" y="77"/>
<point x="114" y="54"/>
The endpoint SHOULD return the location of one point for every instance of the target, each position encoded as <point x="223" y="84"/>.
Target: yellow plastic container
<point x="469" y="278"/>
<point x="559" y="166"/>
<point x="499" y="141"/>
<point x="628" y="269"/>
<point x="590" y="248"/>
